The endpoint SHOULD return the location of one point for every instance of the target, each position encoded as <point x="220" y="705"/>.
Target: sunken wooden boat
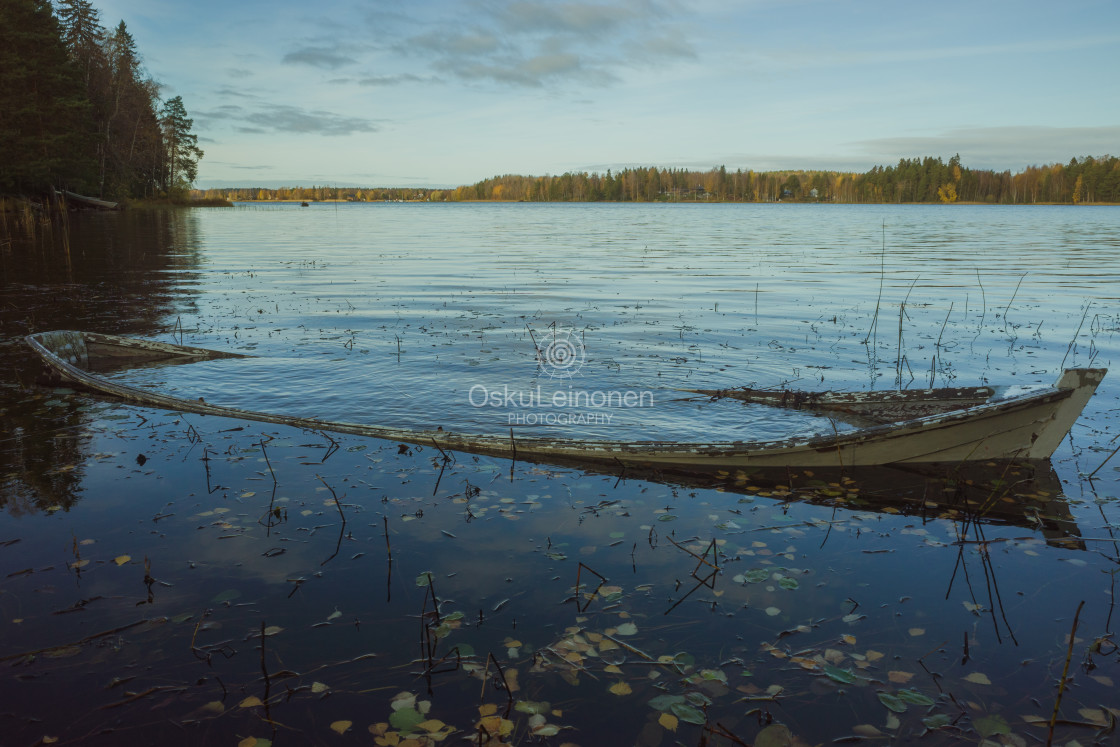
<point x="78" y="201"/>
<point x="935" y="426"/>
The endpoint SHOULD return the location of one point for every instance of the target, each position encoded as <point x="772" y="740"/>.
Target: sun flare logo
<point x="560" y="353"/>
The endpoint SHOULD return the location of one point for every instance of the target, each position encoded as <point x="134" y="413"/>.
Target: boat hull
<point x="1028" y="426"/>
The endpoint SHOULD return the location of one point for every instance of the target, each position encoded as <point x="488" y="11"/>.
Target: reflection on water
<point x="143" y="552"/>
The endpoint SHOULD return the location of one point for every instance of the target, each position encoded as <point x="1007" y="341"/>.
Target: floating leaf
<point x="917" y="631"/>
<point x="406" y="719"/>
<point x="122" y="559"/>
<point x="843" y="676"/>
<point x="773" y="611"/>
<point x="788" y="583"/>
<point x="774" y="735"/>
<point x="667" y="517"/>
<point x="978" y="678"/>
<point x="251" y="701"/>
<point x="914" y="698"/>
<point x="991" y="725"/>
<point x="272" y="630"/>
<point x="937" y="721"/>
<point x="1094" y="715"/>
<point x="664" y="703"/>
<point x="334" y="615"/>
<point x="756" y="576"/>
<point x="627" y="628"/>
<point x="620" y="688"/>
<point x="424" y="579"/>
<point x="546" y="730"/>
<point x="668" y="721"/>
<point x="688" y="714"/>
<point x="899" y="678"/>
<point x="892" y="702"/>
<point x="226" y="596"/>
<point x="340" y="727"/>
<point x="214" y="706"/>
<point x="532" y="707"/>
<point x="319" y="687"/>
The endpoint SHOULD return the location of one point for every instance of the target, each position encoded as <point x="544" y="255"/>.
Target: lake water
<point x="142" y="552"/>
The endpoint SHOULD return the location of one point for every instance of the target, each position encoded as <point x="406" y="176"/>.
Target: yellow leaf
<point x="432" y="724"/>
<point x="487" y="709"/>
<point x="900" y="678"/>
<point x="612" y="669"/>
<point x="620" y="688"/>
<point x="249" y="702"/>
<point x="978" y="678"/>
<point x="874" y="655"/>
<point x="79" y="564"/>
<point x="668" y="721"/>
<point x="917" y="631"/>
<point x="272" y="630"/>
<point x="248" y="742"/>
<point x="1094" y="715"/>
<point x="848" y="639"/>
<point x="214" y="706"/>
<point x="319" y="687"/>
<point x="340" y="727"/>
<point x="122" y="559"/>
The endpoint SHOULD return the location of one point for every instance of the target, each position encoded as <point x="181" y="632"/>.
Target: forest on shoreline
<point x="1085" y="180"/>
<point x="78" y="111"/>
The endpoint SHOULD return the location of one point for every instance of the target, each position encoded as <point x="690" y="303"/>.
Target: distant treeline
<point x="78" y="110"/>
<point x="1082" y="180"/>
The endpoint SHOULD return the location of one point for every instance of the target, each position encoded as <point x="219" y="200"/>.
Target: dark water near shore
<point x="142" y="552"/>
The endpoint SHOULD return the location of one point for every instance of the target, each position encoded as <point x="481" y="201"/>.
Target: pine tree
<point x="183" y="152"/>
<point x="44" y="113"/>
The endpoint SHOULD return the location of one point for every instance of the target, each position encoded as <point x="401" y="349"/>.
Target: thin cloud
<point x="533" y="45"/>
<point x="328" y="58"/>
<point x="391" y="80"/>
<point x="584" y="19"/>
<point x="289" y="119"/>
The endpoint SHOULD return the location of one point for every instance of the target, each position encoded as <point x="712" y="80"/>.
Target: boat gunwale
<point x="538" y="447"/>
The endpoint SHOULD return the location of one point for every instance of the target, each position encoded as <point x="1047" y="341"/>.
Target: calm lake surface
<point x="169" y="578"/>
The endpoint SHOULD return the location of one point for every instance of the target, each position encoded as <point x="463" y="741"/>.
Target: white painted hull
<point x="1028" y="426"/>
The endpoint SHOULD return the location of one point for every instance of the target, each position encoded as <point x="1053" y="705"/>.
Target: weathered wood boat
<point x="935" y="426"/>
<point x="82" y="201"/>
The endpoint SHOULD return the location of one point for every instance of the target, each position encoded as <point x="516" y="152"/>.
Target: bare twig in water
<point x="1065" y="671"/>
<point x="336" y="503"/>
<point x="1012" y="299"/>
<point x="1098" y="469"/>
<point x="882" y="275"/>
<point x="1075" y="334"/>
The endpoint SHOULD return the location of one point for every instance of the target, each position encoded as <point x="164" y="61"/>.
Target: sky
<point x="440" y="93"/>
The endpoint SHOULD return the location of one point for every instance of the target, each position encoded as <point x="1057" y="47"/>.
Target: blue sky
<point x="445" y="93"/>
